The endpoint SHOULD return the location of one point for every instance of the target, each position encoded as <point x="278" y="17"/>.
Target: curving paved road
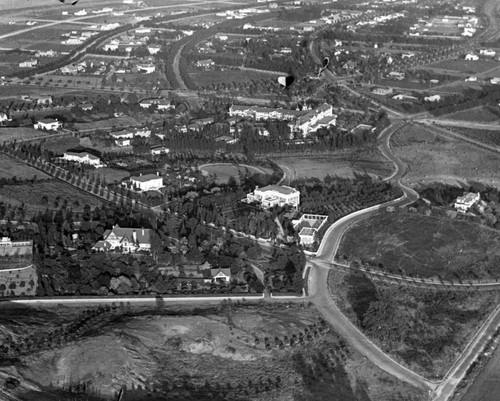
<point x="318" y="276"/>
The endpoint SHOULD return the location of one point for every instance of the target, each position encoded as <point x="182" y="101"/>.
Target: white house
<point x="123" y="134"/>
<point x="160" y="150"/>
<point x="315" y="119"/>
<point x="3" y="118"/>
<point x="382" y="91"/>
<point x="206" y="64"/>
<point x="29" y="63"/>
<point x="465" y="202"/>
<point x="495" y="81"/>
<point x="48" y="124"/>
<point x="148" y="182"/>
<point x="275" y="195"/>
<point x="432" y="98"/>
<point x="146" y="68"/>
<point x="122" y="142"/>
<point x="217" y="275"/>
<point x="471" y="57"/>
<point x="487" y="52"/>
<point x="83" y="158"/>
<point x="308" y="226"/>
<point x="47" y="99"/>
<point x="471" y="79"/>
<point x="154" y="49"/>
<point x="125" y="240"/>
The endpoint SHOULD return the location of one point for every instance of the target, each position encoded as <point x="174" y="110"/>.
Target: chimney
<point x="158" y="173"/>
<point x="143" y="232"/>
<point x="134" y="236"/>
<point x="140" y="174"/>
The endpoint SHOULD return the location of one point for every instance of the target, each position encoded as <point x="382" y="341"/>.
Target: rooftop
<point x="146" y="177"/>
<point x="278" y="188"/>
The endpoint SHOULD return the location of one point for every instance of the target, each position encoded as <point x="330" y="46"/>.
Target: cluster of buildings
<point x="300" y="121"/>
<point x="48" y="124"/>
<point x="123" y="137"/>
<point x="126" y="240"/>
<point x="446" y="26"/>
<point x="77" y="38"/>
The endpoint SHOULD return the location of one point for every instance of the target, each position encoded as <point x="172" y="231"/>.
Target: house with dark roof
<point x="129" y="240"/>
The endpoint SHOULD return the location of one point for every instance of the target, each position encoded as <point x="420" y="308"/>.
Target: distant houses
<point x="301" y="121"/>
<point x="29" y="63"/>
<point x="275" y="195"/>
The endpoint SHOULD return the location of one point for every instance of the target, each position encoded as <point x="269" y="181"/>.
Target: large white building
<point x="48" y="124"/>
<point x="125" y="240"/>
<point x="464" y="203"/>
<point x="308" y="227"/>
<point x="275" y="195"/>
<point x="83" y="158"/>
<point x="148" y="182"/>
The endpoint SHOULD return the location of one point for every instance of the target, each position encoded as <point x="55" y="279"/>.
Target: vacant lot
<point x="20" y="133"/>
<point x="10" y="168"/>
<point x="112" y="174"/>
<point x="204" y="353"/>
<point x="224" y="171"/>
<point x="432" y="157"/>
<point x="425" y="330"/>
<point x="481" y="114"/>
<point x="342" y="164"/>
<point x="48" y="194"/>
<point x="425" y="246"/>
<point x="467" y="67"/>
<point x="486" y="387"/>
<point x="490" y="137"/>
<point x="204" y="78"/>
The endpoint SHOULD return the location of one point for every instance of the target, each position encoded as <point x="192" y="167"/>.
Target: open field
<point x="481" y="114"/>
<point x="432" y="158"/>
<point x="208" y="353"/>
<point x="20" y="133"/>
<point x="463" y="66"/>
<point x="227" y="76"/>
<point x="425" y="330"/>
<point x="489" y="137"/>
<point x="42" y="195"/>
<point x="342" y="164"/>
<point x="10" y="168"/>
<point x="112" y="174"/>
<point x="224" y="171"/>
<point x="425" y="246"/>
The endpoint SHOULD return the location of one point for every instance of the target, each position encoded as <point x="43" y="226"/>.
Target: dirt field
<point x="425" y="246"/>
<point x="209" y="351"/>
<point x="19" y="133"/>
<point x="224" y="171"/>
<point x="434" y="158"/>
<point x="10" y="167"/>
<point x="342" y="164"/>
<point x="204" y="78"/>
<point x="489" y="137"/>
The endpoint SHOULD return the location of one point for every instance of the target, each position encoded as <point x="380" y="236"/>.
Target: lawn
<point x="224" y="171"/>
<point x="481" y="114"/>
<point x="48" y="194"/>
<point x="425" y="246"/>
<point x="425" y="330"/>
<point x="432" y="157"/>
<point x="60" y="145"/>
<point x="10" y="167"/>
<point x="112" y="174"/>
<point x="342" y="164"/>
